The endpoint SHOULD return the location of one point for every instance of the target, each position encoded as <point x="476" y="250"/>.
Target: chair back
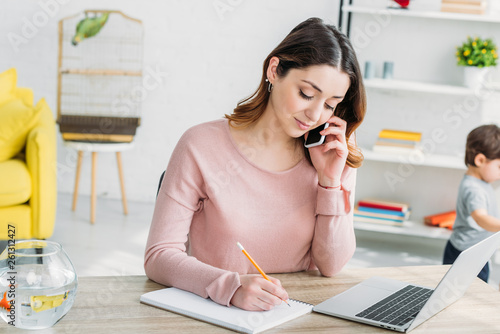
<point x="159" y="183"/>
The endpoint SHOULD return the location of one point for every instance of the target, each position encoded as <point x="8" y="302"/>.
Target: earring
<point x="269" y="86"/>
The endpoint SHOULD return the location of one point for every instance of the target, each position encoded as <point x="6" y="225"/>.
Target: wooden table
<point x="111" y="305"/>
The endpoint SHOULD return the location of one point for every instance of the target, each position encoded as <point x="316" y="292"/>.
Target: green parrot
<point x="89" y="27"/>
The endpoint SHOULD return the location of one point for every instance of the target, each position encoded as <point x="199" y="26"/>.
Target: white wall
<point x="207" y="60"/>
<point x="207" y="55"/>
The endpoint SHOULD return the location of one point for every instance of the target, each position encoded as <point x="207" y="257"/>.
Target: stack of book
<point x="464" y="6"/>
<point x="398" y="142"/>
<point x="443" y="219"/>
<point x="381" y="212"/>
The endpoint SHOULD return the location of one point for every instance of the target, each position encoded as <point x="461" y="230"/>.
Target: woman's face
<point x="306" y="98"/>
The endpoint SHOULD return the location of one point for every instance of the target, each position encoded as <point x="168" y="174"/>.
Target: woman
<point x="249" y="179"/>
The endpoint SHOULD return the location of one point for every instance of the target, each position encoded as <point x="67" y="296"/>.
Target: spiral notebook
<point x="194" y="306"/>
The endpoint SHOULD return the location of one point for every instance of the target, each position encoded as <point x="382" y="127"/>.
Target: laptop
<point x="401" y="306"/>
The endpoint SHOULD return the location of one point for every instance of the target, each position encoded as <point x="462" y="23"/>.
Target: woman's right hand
<point x="258" y="294"/>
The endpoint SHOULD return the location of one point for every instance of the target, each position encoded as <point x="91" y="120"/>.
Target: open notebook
<point x="194" y="306"/>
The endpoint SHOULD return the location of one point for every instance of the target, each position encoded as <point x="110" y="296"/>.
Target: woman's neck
<point x="267" y="145"/>
<point x="268" y="131"/>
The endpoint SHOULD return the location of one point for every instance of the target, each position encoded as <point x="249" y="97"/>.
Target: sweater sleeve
<point x="334" y="241"/>
<point x="166" y="261"/>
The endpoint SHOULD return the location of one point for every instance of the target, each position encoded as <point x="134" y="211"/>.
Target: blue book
<point x="381" y="211"/>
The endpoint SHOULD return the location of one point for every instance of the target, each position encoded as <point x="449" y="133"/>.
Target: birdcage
<point x="100" y="85"/>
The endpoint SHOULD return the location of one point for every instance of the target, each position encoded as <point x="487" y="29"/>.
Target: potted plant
<point x="476" y="55"/>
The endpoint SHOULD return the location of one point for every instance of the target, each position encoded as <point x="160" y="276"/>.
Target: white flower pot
<point x="474" y="76"/>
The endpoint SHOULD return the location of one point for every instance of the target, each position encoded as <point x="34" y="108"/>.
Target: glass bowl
<point x="37" y="283"/>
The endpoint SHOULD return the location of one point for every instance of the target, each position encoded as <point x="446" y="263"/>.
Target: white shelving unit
<point x="420" y="14"/>
<point x="414" y="86"/>
<point x="434" y="160"/>
<point x="415" y="228"/>
<point x="411" y="228"/>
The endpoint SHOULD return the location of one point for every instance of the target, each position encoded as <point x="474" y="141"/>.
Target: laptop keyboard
<point x="400" y="307"/>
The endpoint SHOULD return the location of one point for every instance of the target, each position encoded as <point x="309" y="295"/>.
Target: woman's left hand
<point x="329" y="159"/>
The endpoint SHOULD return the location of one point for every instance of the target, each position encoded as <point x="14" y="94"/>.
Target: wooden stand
<point x="95" y="148"/>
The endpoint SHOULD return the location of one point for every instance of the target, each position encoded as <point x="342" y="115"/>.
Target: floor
<point x="115" y="244"/>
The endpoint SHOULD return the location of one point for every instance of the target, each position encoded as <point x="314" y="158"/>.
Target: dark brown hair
<point x="484" y="139"/>
<point x="310" y="43"/>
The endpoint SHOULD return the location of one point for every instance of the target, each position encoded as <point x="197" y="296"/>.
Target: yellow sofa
<point x="28" y="168"/>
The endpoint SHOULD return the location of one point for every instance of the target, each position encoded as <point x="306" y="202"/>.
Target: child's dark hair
<point x="484" y="139"/>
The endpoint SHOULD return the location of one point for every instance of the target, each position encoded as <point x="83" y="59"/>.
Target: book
<point x="466" y="8"/>
<point x="386" y="205"/>
<point x="398" y="134"/>
<point x="447" y="224"/>
<point x="380" y="221"/>
<point x="376" y="219"/>
<point x="194" y="306"/>
<point x="396" y="218"/>
<point x="443" y="219"/>
<point x="380" y="211"/>
<point x="393" y="149"/>
<point x="467" y="2"/>
<point x="397" y="143"/>
<point x="440" y="217"/>
<point x="412" y="143"/>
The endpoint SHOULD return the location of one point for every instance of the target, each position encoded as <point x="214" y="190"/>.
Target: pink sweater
<point x="212" y="196"/>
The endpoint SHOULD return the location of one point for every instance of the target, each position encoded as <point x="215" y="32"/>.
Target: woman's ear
<point x="480" y="159"/>
<point x="272" y="69"/>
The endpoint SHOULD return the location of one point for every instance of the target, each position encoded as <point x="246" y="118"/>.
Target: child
<point x="477" y="212"/>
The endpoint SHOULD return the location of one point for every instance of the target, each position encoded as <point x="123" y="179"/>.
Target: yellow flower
<point x="475" y="51"/>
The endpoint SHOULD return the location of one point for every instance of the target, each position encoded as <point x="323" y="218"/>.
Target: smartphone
<point x="314" y="138"/>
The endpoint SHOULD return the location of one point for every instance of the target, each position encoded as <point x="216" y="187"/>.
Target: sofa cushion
<point x="25" y="94"/>
<point x="15" y="183"/>
<point x="8" y="81"/>
<point x="16" y="120"/>
<point x="18" y="216"/>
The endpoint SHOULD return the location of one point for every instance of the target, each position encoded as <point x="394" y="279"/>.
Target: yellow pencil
<point x="256" y="265"/>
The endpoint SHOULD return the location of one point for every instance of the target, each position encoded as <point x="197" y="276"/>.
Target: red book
<point x="439" y="218"/>
<point x="447" y="224"/>
<point x="379" y="204"/>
